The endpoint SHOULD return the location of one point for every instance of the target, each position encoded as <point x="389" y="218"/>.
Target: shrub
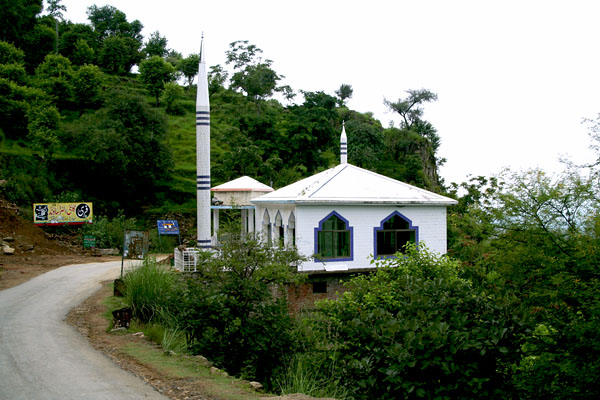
<point x="415" y="329"/>
<point x="151" y="292"/>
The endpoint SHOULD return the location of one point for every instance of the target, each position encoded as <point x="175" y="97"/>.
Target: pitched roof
<point x="349" y="184"/>
<point x="243" y="184"/>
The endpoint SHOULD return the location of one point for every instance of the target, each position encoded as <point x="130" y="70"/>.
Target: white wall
<point x="430" y="220"/>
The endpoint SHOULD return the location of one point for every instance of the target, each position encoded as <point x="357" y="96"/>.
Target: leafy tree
<point x="253" y="75"/>
<point x="55" y="77"/>
<point x="18" y="19"/>
<point x="83" y="53"/>
<point x="10" y="54"/>
<point x="39" y="42"/>
<point x="217" y="77"/>
<point x="155" y="72"/>
<point x="55" y="9"/>
<point x="109" y="21"/>
<point x="172" y="93"/>
<point x="156" y="45"/>
<point x="88" y="83"/>
<point x="410" y="108"/>
<point x="43" y="125"/>
<point x="118" y="54"/>
<point x="365" y="139"/>
<point x="123" y="147"/>
<point x="189" y="68"/>
<point x="344" y="92"/>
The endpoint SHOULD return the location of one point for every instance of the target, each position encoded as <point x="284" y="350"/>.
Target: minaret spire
<point x="203" y="154"/>
<point x="343" y="145"/>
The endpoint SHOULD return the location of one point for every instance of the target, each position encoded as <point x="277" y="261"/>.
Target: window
<point x="333" y="239"/>
<point x="267" y="227"/>
<point x="393" y="234"/>
<point x="320" y="287"/>
<point x="291" y="228"/>
<point x="279" y="231"/>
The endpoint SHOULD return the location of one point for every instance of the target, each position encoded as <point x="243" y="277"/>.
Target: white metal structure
<point x="186" y="260"/>
<point x="203" y="155"/>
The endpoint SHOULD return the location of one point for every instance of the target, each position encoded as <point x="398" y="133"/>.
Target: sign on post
<point x="89" y="241"/>
<point x="168" y="227"/>
<point x="62" y="213"/>
<point x="135" y="246"/>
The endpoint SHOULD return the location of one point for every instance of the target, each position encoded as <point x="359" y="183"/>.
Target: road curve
<point x="42" y="357"/>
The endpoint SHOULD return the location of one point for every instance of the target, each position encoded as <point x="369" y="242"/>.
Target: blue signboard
<point x="168" y="227"/>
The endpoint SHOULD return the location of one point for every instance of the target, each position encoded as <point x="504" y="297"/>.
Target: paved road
<point x="41" y="357"/>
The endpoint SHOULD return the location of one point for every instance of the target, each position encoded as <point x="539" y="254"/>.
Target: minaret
<point x="203" y="154"/>
<point x="343" y="145"/>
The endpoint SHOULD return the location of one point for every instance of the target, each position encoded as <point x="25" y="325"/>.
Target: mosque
<point x="339" y="218"/>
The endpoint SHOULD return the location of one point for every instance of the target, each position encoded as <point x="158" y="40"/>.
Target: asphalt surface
<point x="42" y="357"/>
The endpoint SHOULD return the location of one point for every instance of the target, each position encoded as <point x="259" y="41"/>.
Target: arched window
<point x="291" y="230"/>
<point x="267" y="228"/>
<point x="279" y="230"/>
<point x="333" y="239"/>
<point x="394" y="232"/>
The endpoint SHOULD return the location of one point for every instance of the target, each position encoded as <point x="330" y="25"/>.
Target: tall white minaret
<point x="203" y="154"/>
<point x="343" y="145"/>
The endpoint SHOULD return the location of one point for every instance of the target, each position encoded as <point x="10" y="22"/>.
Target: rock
<point x="140" y="334"/>
<point x="28" y="247"/>
<point x="203" y="360"/>
<point x="108" y="252"/>
<point x="256" y="386"/>
<point x="119" y="329"/>
<point x="9" y="251"/>
<point x="217" y="371"/>
<point x="8" y="239"/>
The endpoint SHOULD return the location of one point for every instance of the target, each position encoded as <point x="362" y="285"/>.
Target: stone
<point x="28" y="247"/>
<point x="9" y="251"/>
<point x="108" y="252"/>
<point x="256" y="386"/>
<point x="8" y="239"/>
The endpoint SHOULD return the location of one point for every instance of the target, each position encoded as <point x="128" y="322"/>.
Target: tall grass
<point x="308" y="374"/>
<point x="151" y="291"/>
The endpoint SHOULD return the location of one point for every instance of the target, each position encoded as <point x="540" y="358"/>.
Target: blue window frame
<point x="333" y="239"/>
<point x="394" y="232"/>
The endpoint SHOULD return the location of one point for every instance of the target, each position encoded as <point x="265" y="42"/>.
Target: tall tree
<point x="55" y="9"/>
<point x="156" y="45"/>
<point x="344" y="92"/>
<point x="155" y="72"/>
<point x="410" y="108"/>
<point x="109" y="21"/>
<point x="188" y="67"/>
<point x="253" y="75"/>
<point x="18" y="18"/>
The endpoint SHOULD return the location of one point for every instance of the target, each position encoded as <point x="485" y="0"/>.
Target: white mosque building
<point x="344" y="216"/>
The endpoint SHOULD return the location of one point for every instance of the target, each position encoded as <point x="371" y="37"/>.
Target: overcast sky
<point x="514" y="78"/>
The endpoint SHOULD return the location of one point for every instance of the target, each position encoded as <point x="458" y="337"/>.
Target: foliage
<point x="151" y="291"/>
<point x="118" y="54"/>
<point x="155" y="72"/>
<point x="231" y="315"/>
<point x="170" y="98"/>
<point x="18" y="17"/>
<point x="416" y="329"/>
<point x="188" y="67"/>
<point x="88" y="83"/>
<point x="109" y="232"/>
<point x="109" y="21"/>
<point x="344" y="92"/>
<point x="410" y="108"/>
<point x="156" y="45"/>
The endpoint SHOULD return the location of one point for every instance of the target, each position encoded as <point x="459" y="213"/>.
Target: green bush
<point x="415" y="329"/>
<point x="109" y="233"/>
<point x="152" y="293"/>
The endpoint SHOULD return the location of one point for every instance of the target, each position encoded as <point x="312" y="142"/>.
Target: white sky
<point x="514" y="78"/>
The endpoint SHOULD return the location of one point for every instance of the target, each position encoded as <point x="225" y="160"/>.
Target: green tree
<point x="188" y="67"/>
<point x="155" y="72"/>
<point x="410" y="108"/>
<point x="43" y="125"/>
<point x="109" y="21"/>
<point x="156" y="45"/>
<point x="18" y="19"/>
<point x="88" y="83"/>
<point x="253" y="75"/>
<point x="118" y="54"/>
<point x="344" y="92"/>
<point x="83" y="53"/>
<point x="123" y="146"/>
<point x="55" y="9"/>
<point x="55" y="77"/>
<point x="172" y="93"/>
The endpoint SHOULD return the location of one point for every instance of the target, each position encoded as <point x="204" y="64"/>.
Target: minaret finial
<point x="343" y="145"/>
<point x="202" y="48"/>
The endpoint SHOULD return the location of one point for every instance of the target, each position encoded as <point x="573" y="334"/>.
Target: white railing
<point x="186" y="260"/>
